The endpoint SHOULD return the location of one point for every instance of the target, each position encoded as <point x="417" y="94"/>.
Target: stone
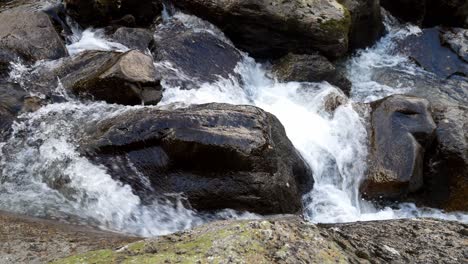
<point x="402" y="129"/>
<point x="103" y="12"/>
<point x="310" y="68"/>
<point x="28" y="35"/>
<point x="272" y="28"/>
<point x="134" y="38"/>
<point x="217" y="155"/>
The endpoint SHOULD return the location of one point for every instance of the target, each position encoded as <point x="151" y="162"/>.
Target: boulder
<point x="457" y="40"/>
<point x="272" y="28"/>
<point x="217" y="155"/>
<point x="430" y="13"/>
<point x="102" y="12"/>
<point x="128" y="78"/>
<point x="402" y="129"/>
<point x="310" y="68"/>
<point x="198" y="55"/>
<point x="366" y="22"/>
<point x="291" y="240"/>
<point x="29" y="35"/>
<point x="428" y="51"/>
<point x="134" y="38"/>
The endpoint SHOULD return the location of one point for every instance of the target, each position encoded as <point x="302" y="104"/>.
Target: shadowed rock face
<point x="310" y="68"/>
<point x="272" y="28"/>
<point x="28" y="35"/>
<point x="402" y="128"/>
<point x="291" y="240"/>
<point x="199" y="57"/>
<point x="103" y="12"/>
<point x="217" y="155"/>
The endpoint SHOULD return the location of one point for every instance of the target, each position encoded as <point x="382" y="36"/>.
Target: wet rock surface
<point x="217" y="155"/>
<point x="310" y="68"/>
<point x="290" y="240"/>
<point x="427" y="50"/>
<point x="28" y="35"/>
<point x="102" y="12"/>
<point x="198" y="55"/>
<point x="274" y="28"/>
<point x="30" y="240"/>
<point x="402" y="129"/>
<point x="134" y="38"/>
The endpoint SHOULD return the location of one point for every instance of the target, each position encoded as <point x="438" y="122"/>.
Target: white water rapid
<point x="43" y="174"/>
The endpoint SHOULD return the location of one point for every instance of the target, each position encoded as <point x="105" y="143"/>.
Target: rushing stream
<point x="42" y="154"/>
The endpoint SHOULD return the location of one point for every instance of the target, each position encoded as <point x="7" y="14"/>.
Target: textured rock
<point x="28" y="35"/>
<point x="31" y="240"/>
<point x="402" y="128"/>
<point x="366" y="22"/>
<point x="217" y="155"/>
<point x="134" y="38"/>
<point x="457" y="40"/>
<point x="428" y="52"/>
<point x="272" y="28"/>
<point x="430" y="12"/>
<point x="310" y="68"/>
<point x="290" y="240"/>
<point x="199" y="56"/>
<point x="103" y="12"/>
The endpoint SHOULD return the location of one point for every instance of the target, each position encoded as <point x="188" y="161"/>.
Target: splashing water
<point x="43" y="174"/>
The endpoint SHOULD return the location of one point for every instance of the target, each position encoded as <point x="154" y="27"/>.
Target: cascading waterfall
<point x="43" y="174"/>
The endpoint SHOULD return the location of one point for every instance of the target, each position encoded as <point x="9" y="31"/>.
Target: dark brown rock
<point x="310" y="68"/>
<point x="217" y="155"/>
<point x="272" y="28"/>
<point x="402" y="128"/>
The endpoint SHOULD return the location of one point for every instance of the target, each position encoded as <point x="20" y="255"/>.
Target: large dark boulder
<point x="272" y="28"/>
<point x="310" y="68"/>
<point x="104" y="12"/>
<point x="428" y="51"/>
<point x="28" y="35"/>
<point x="134" y="38"/>
<point x="402" y="129"/>
<point x="366" y="22"/>
<point x="430" y="12"/>
<point x="199" y="56"/>
<point x="217" y="155"/>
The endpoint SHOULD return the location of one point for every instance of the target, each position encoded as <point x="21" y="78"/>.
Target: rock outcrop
<point x="402" y="129"/>
<point x="310" y="68"/>
<point x="290" y="240"/>
<point x="428" y="51"/>
<point x="102" y="12"/>
<point x="28" y="35"/>
<point x="272" y="28"/>
<point x="198" y="55"/>
<point x="217" y="155"/>
<point x="430" y="12"/>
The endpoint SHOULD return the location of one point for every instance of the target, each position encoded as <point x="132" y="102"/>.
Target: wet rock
<point x="273" y="28"/>
<point x="430" y="13"/>
<point x="290" y="240"/>
<point x="102" y="12"/>
<point x="457" y="40"/>
<point x="217" y="155"/>
<point x="402" y="128"/>
<point x="128" y="78"/>
<point x="310" y="68"/>
<point x="199" y="56"/>
<point x="427" y="50"/>
<point x="366" y="22"/>
<point x="29" y="35"/>
<point x="134" y="38"/>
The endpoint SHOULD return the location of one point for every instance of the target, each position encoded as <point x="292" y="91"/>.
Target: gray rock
<point x="272" y="28"/>
<point x="29" y="35"/>
<point x="402" y="128"/>
<point x="134" y="38"/>
<point x="217" y="155"/>
<point x="310" y="68"/>
<point x="457" y="39"/>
